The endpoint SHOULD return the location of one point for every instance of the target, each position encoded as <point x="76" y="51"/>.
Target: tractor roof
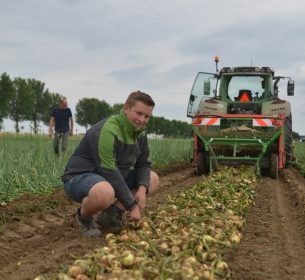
<point x="246" y="70"/>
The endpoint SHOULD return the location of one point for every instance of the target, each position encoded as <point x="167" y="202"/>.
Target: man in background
<point x="61" y="118"/>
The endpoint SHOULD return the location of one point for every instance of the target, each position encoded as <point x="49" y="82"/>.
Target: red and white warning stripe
<point x="262" y="122"/>
<point x="206" y="121"/>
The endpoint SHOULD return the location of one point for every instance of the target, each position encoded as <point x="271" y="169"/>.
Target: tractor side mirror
<point x="206" y="87"/>
<point x="290" y="88"/>
<point x="192" y="98"/>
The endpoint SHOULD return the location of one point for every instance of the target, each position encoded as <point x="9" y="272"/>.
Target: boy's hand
<point x="140" y="196"/>
<point x="135" y="214"/>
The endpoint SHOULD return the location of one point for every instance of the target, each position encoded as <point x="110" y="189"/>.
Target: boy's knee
<point x="103" y="192"/>
<point x="154" y="181"/>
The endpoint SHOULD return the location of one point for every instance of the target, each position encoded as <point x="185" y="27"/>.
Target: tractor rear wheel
<point x="288" y="141"/>
<point x="203" y="166"/>
<point x="274" y="162"/>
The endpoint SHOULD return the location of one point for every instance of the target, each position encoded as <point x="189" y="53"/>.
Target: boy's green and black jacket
<point x="111" y="148"/>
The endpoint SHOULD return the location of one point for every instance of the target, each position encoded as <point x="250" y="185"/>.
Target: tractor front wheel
<point x="288" y="141"/>
<point x="203" y="167"/>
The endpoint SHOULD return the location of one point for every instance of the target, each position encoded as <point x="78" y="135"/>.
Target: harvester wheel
<point x="202" y="164"/>
<point x="288" y="141"/>
<point x="274" y="170"/>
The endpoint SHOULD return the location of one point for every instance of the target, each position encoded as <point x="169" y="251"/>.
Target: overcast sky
<point x="106" y="49"/>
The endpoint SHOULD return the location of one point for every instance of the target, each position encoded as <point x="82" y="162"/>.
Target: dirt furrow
<point x="272" y="247"/>
<point x="273" y="243"/>
<point x="45" y="242"/>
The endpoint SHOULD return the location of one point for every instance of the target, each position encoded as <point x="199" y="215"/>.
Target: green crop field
<point x="28" y="164"/>
<point x="299" y="153"/>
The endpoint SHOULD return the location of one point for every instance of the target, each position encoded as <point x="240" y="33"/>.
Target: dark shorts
<point x="78" y="187"/>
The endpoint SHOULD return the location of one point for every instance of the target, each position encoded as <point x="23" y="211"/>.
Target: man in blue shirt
<point x="61" y="118"/>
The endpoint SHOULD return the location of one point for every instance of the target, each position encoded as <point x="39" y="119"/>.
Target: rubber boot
<point x="111" y="219"/>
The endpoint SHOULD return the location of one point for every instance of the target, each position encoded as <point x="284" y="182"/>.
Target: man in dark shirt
<point x="61" y="118"/>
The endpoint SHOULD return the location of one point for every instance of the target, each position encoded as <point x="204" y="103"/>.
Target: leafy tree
<point x="90" y="110"/>
<point x="6" y="91"/>
<point x="295" y="135"/>
<point x="169" y="128"/>
<point x="22" y="99"/>
<point x="19" y="104"/>
<point x="181" y="129"/>
<point x="40" y="102"/>
<point x="117" y="107"/>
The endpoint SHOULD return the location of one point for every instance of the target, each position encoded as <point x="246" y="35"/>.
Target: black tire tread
<point x="203" y="167"/>
<point x="274" y="171"/>
<point x="288" y="141"/>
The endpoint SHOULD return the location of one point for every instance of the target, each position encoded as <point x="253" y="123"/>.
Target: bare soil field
<point x="41" y="235"/>
<point x="48" y="239"/>
<point x="273" y="243"/>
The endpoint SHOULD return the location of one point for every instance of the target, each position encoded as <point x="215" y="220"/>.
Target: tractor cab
<point x="236" y="90"/>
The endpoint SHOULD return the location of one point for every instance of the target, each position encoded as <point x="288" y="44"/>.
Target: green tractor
<point x="238" y="118"/>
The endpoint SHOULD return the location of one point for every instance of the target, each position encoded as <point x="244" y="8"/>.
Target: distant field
<point x="299" y="153"/>
<point x="28" y="164"/>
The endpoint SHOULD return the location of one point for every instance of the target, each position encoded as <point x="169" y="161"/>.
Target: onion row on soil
<point x="29" y="166"/>
<point x="183" y="239"/>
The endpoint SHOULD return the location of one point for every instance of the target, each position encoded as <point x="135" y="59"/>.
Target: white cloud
<point x="106" y="49"/>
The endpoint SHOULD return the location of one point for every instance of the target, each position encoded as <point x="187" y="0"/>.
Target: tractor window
<point x="203" y="87"/>
<point x="246" y="88"/>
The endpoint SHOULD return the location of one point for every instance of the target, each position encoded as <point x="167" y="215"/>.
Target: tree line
<point x="25" y="100"/>
<point x="29" y="100"/>
<point x="90" y="110"/>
